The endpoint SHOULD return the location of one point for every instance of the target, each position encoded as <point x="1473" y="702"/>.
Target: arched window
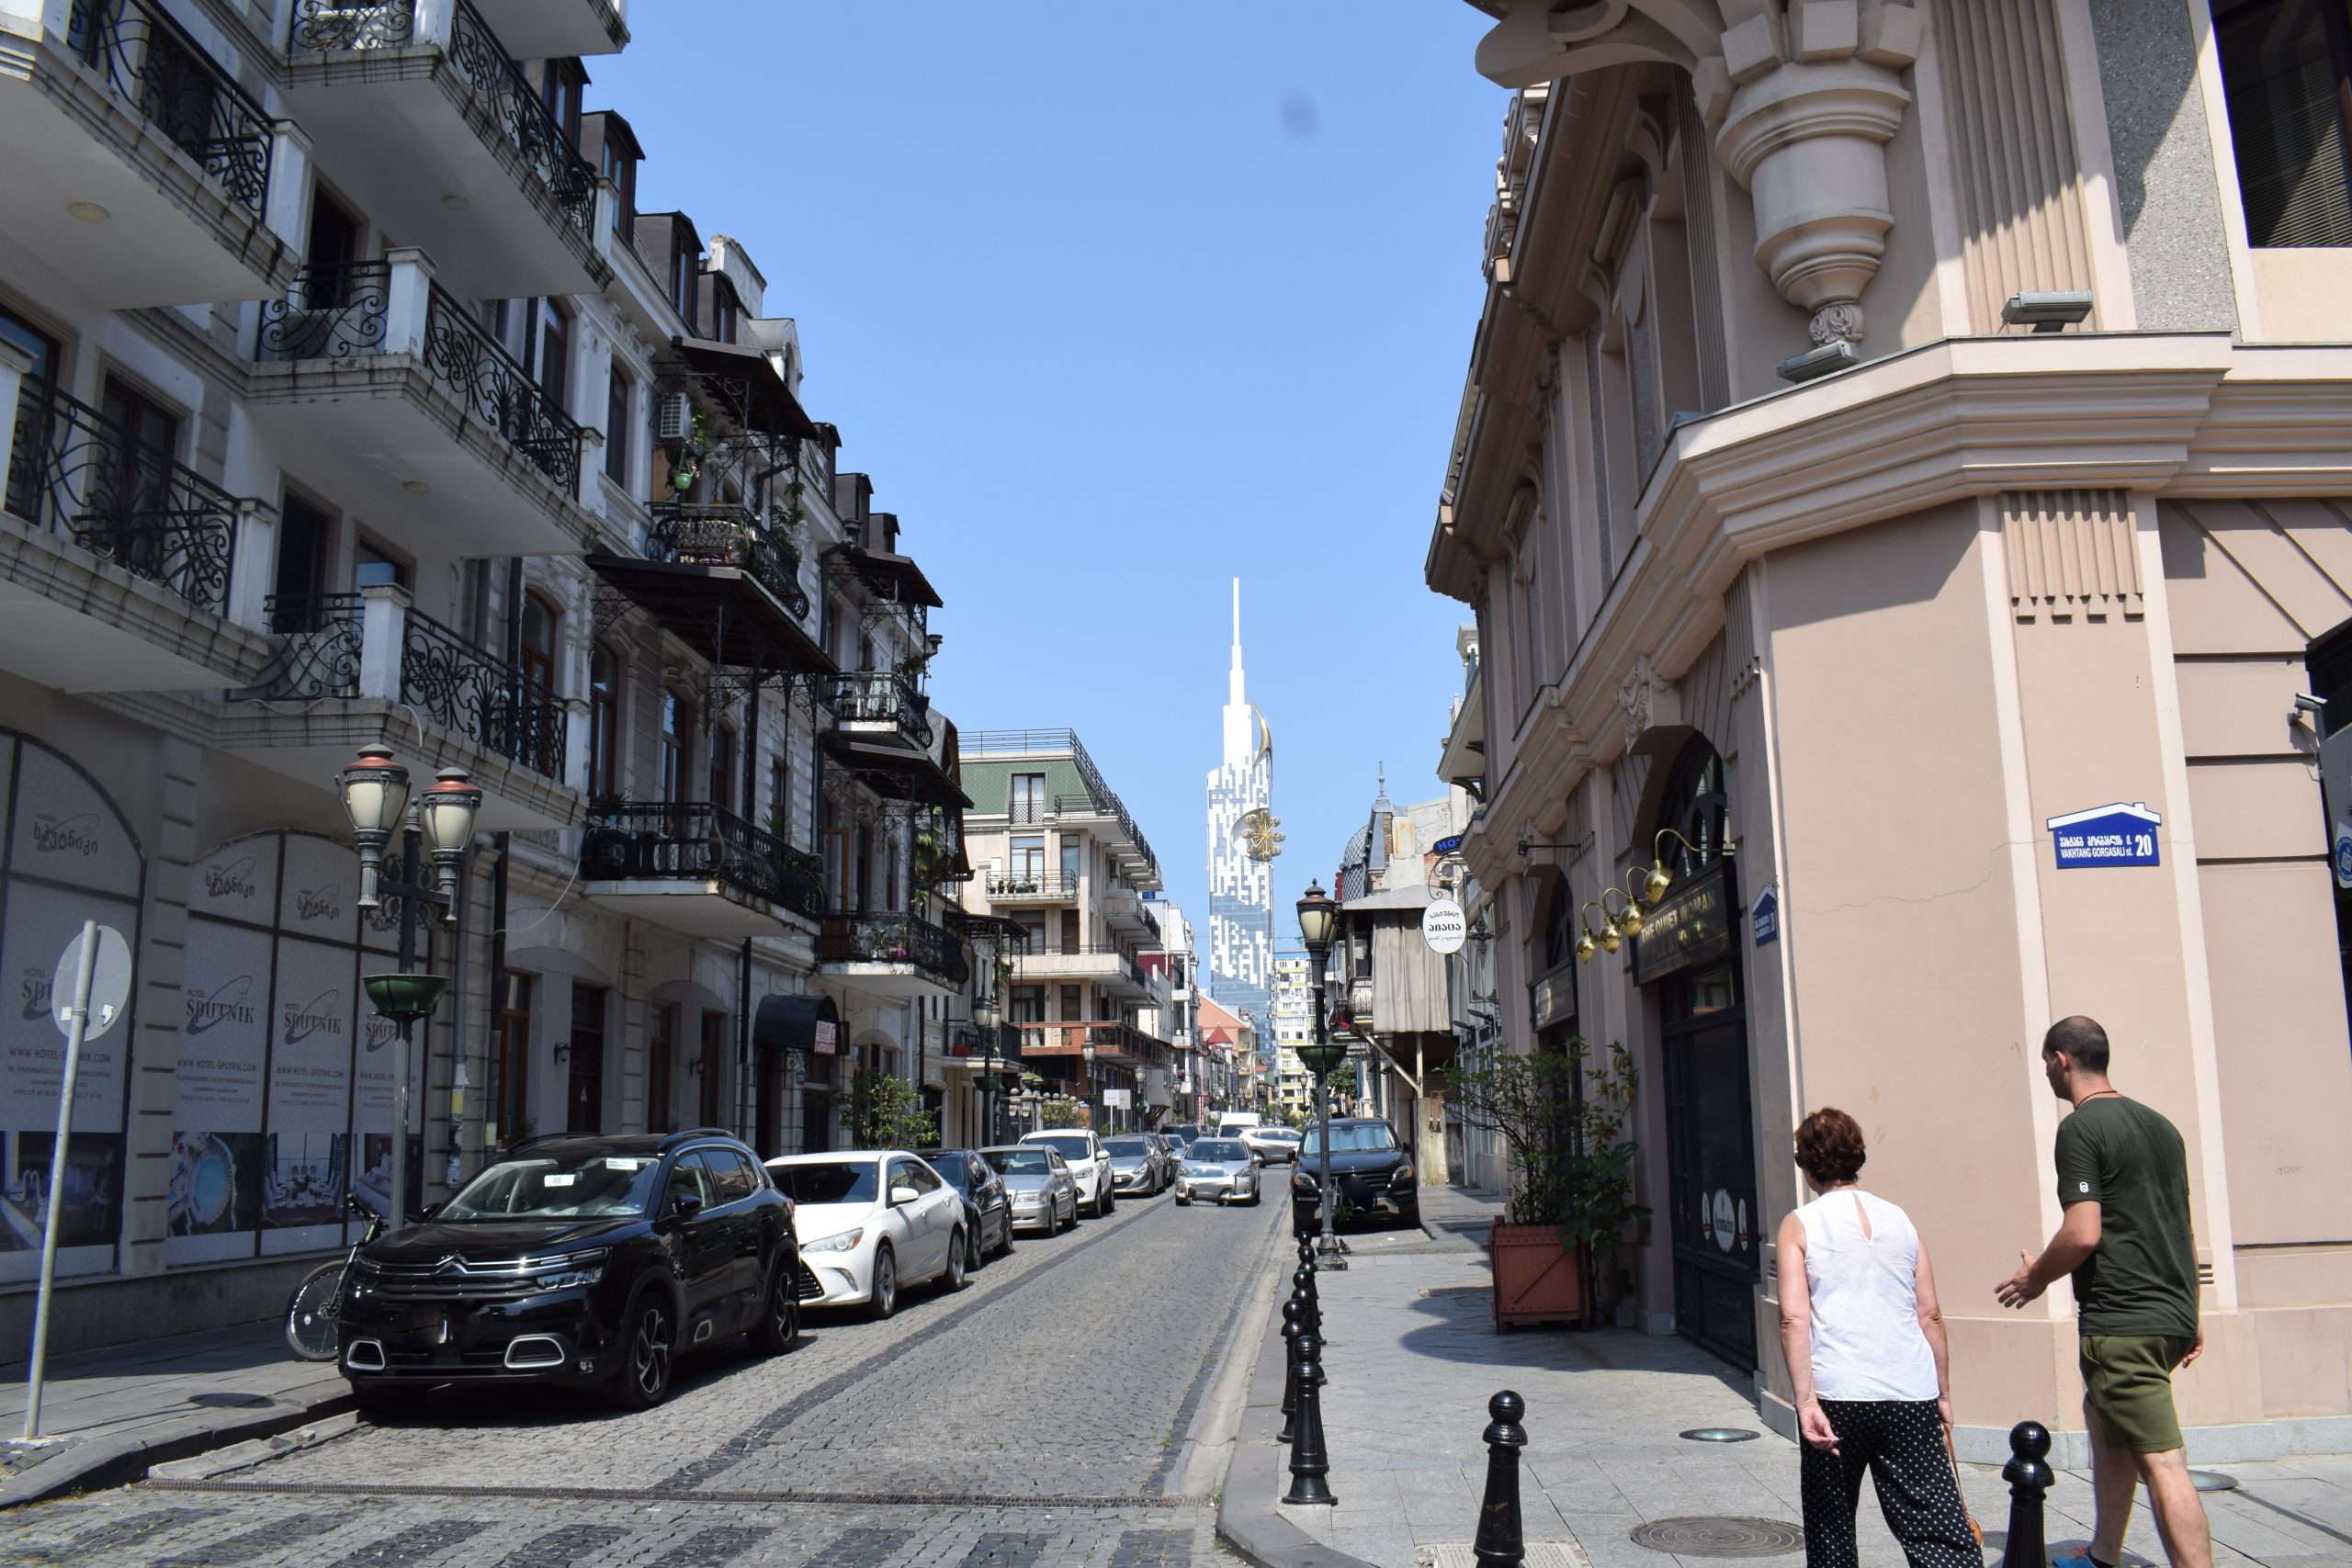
<point x="1695" y="806"/>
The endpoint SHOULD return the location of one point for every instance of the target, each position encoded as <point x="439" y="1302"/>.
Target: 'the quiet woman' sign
<point x="2120" y="834"/>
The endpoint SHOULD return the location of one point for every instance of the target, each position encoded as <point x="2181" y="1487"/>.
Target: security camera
<point x="2048" y="313"/>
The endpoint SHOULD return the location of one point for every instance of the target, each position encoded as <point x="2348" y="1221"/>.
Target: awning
<point x="897" y="775"/>
<point x="721" y="612"/>
<point x="790" y="1023"/>
<point x="894" y="577"/>
<point x="746" y="381"/>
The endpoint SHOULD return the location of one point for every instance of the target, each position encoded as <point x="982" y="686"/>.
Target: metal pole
<point x="84" y="973"/>
<point x="1328" y="1249"/>
<point x="412" y="856"/>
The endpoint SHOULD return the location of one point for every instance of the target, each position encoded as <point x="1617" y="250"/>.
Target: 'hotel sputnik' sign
<point x="2120" y="834"/>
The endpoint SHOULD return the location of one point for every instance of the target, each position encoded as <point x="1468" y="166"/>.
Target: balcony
<point x="370" y="668"/>
<point x="1118" y="828"/>
<point x="115" y="562"/>
<point x="557" y="30"/>
<point x="1120" y="972"/>
<point x="694" y="867"/>
<point x="724" y="585"/>
<point x="1032" y="888"/>
<point x="892" y="955"/>
<point x="433" y="128"/>
<point x="438" y="435"/>
<point x="877" y="708"/>
<point x="1129" y="911"/>
<point x="1113" y="1041"/>
<point x="136" y="168"/>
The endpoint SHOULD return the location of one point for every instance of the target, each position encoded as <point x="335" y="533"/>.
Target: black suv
<point x="1375" y="1175"/>
<point x="579" y="1260"/>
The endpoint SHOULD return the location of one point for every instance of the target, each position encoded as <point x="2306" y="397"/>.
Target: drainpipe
<point x="495" y="1060"/>
<point x="743" y="1045"/>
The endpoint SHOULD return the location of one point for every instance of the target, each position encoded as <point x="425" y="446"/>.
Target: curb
<point x="93" y="1464"/>
<point x="1248" y="1520"/>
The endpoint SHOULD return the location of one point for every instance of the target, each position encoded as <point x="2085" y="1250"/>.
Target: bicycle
<point x="316" y="1303"/>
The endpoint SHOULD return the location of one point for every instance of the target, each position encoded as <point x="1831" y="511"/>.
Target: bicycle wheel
<point x="311" y="1314"/>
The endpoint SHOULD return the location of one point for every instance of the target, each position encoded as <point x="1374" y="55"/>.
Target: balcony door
<point x="303" y="533"/>
<point x="677" y="728"/>
<point x="1026" y="863"/>
<point x="128" y="501"/>
<point x="1028" y="801"/>
<point x="584" y="1096"/>
<point x="714" y="1064"/>
<point x="511" y="1101"/>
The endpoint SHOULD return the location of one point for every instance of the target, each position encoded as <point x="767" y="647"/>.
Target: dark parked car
<point x="988" y="1207"/>
<point x="1374" y="1175"/>
<point x="578" y="1261"/>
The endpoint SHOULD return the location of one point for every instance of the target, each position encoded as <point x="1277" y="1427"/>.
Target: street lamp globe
<point x="448" y="810"/>
<point x="984" y="1016"/>
<point x="1316" y="916"/>
<point x="375" y="792"/>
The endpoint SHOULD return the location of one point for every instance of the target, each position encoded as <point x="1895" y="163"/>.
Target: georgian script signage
<point x="1692" y="926"/>
<point x="1552" y="998"/>
<point x="1442" y="926"/>
<point x="1764" y="915"/>
<point x="2120" y="834"/>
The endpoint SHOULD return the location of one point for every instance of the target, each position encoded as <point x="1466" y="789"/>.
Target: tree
<point x="885" y="1112"/>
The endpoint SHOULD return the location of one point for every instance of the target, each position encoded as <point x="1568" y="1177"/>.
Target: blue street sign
<point x="2120" y="834"/>
<point x="1446" y="846"/>
<point x="1765" y="914"/>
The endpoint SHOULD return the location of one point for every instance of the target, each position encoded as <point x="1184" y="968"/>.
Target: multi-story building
<point x="1056" y="856"/>
<point x="1902" y="487"/>
<point x="357" y="406"/>
<point x="1233" y="1039"/>
<point x="1179" y="1022"/>
<point x="1241" y="842"/>
<point x="1292" y="1017"/>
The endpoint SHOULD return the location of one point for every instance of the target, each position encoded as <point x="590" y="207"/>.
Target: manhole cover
<point x="2212" y="1481"/>
<point x="1720" y="1536"/>
<point x="1719" y="1435"/>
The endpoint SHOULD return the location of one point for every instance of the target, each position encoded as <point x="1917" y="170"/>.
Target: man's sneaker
<point x="2080" y="1558"/>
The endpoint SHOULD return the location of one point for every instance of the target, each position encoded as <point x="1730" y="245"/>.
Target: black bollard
<point x="1310" y="1462"/>
<point x="2029" y="1481"/>
<point x="1502" y="1543"/>
<point x="1291" y="1321"/>
<point x="1301" y="1290"/>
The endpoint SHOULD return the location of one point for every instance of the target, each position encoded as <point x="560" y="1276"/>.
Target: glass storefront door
<point x="1711" y="1161"/>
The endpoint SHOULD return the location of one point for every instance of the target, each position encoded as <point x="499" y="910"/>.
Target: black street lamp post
<point x="1317" y="914"/>
<point x="375" y="796"/>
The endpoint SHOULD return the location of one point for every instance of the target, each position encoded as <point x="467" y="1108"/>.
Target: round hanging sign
<point x="1442" y="926"/>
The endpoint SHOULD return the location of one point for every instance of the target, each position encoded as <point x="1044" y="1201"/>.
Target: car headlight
<point x="1302" y="1181"/>
<point x="1404" y="1172"/>
<point x="570" y="1279"/>
<point x="1195" y="1170"/>
<point x="842" y="1243"/>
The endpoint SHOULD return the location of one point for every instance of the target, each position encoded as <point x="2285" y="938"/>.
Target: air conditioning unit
<point x="673" y="417"/>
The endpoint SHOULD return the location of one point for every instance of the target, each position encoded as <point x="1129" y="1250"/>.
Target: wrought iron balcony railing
<point x="722" y="534"/>
<point x="643" y="840"/>
<point x="326" y="638"/>
<point x="333" y="27"/>
<point x="147" y="58"/>
<point x="877" y="699"/>
<point x="1040" y="886"/>
<point x="370" y="308"/>
<point x="76" y="473"/>
<point x="894" y="939"/>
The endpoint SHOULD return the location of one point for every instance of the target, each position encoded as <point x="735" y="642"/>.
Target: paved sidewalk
<point x="1414" y="1358"/>
<point x="120" y="1409"/>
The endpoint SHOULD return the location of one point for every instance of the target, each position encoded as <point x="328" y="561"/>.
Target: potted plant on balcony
<point x="1563" y="1120"/>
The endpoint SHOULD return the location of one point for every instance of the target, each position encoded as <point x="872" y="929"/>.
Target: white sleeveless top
<point x="1867" y="1342"/>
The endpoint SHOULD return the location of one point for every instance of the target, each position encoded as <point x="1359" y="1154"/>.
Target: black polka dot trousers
<point x="1901" y="1444"/>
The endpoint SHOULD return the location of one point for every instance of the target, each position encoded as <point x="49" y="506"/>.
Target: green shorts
<point x="2129" y="1379"/>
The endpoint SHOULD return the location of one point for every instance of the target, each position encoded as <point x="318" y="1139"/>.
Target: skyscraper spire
<point x="1238" y="739"/>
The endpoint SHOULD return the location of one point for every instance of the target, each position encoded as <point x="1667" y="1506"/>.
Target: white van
<point x="1231" y="1122"/>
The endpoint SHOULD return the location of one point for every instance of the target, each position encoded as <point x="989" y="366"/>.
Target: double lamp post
<point x="1319" y="915"/>
<point x="439" y="823"/>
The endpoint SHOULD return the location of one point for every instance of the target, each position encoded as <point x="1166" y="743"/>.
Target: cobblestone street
<point x="1035" y="1421"/>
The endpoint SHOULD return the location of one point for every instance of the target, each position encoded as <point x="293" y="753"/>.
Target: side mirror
<point x="685" y="1206"/>
<point x="900" y="1196"/>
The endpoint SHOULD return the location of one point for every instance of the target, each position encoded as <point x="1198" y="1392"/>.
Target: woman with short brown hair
<point x="1865" y="1344"/>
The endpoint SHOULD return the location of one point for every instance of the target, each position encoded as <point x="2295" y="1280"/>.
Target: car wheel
<point x="1004" y="1243"/>
<point x="1109" y="1201"/>
<point x="386" y="1398"/>
<point x="1183" y="1199"/>
<point x="1072" y="1225"/>
<point x="974" y="1256"/>
<point x="649" y="1344"/>
<point x="779" y="1329"/>
<point x="884" y="1300"/>
<point x="955" y="1273"/>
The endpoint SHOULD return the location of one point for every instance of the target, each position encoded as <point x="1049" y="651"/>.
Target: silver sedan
<point x="1037" y="1179"/>
<point x="1218" y="1169"/>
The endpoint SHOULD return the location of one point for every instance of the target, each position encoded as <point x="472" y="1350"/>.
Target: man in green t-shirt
<point x="2123" y="1182"/>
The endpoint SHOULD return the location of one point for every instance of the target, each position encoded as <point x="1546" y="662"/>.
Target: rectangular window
<point x="303" y="533"/>
<point x="836" y="868"/>
<point x="1028" y="858"/>
<point x="604" y="722"/>
<point x="677" y="727"/>
<point x="2287" y="75"/>
<point x="1069" y="931"/>
<point x="15" y="329"/>
<point x="1072" y="851"/>
<point x="552" y="361"/>
<point x="1028" y="1004"/>
<point x="1027" y="806"/>
<point x="1033" y="929"/>
<point x="721" y="792"/>
<point x="780" y="797"/>
<point x="1073" y="1002"/>
<point x="616" y="428"/>
<point x="372" y="568"/>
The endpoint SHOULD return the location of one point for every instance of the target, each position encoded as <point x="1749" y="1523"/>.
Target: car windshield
<point x="557" y="1186"/>
<point x="1364" y="1137"/>
<point x="1209" y="1150"/>
<point x="1072" y="1145"/>
<point x="1020" y="1162"/>
<point x="827" y="1181"/>
<point x="1129" y="1146"/>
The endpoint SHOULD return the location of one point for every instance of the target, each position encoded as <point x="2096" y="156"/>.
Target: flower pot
<point x="1536" y="1278"/>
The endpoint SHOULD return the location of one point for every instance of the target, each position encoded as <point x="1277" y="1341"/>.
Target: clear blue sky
<point x="1116" y="301"/>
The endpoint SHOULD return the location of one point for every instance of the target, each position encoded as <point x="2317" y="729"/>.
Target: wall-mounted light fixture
<point x="563" y="1053"/>
<point x="2047" y="312"/>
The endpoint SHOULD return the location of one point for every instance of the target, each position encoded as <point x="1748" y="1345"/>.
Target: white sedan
<point x="870" y="1223"/>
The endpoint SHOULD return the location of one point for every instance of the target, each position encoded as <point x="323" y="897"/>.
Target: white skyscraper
<point x="1241" y="887"/>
